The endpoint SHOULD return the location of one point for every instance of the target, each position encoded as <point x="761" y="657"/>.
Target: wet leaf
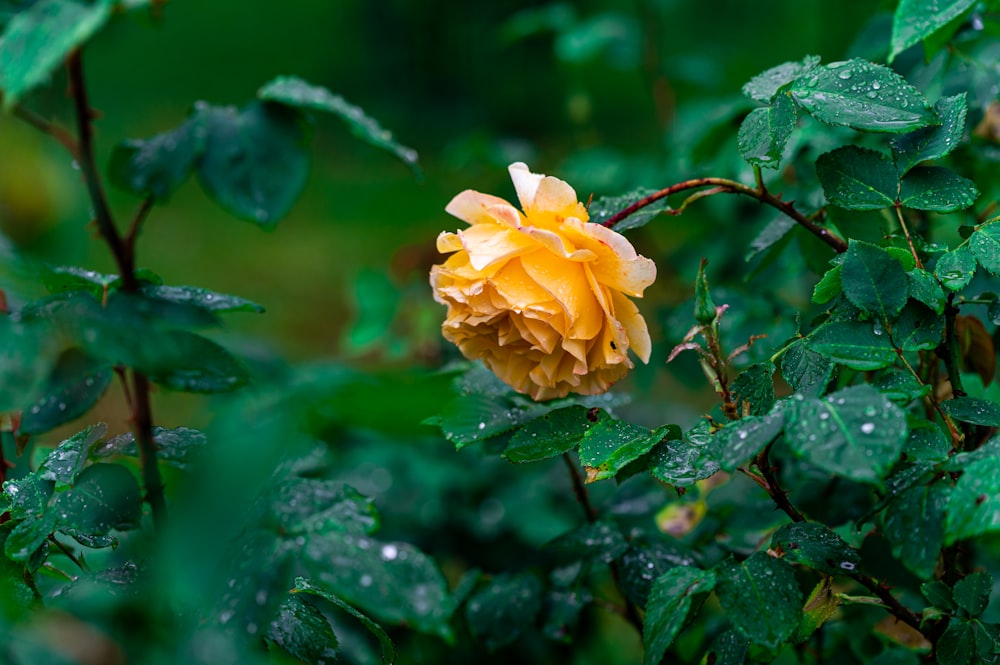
<point x="972" y="593"/>
<point x="178" y="447"/>
<point x="974" y="508"/>
<point x="985" y="246"/>
<point x="765" y="85"/>
<point x="606" y="207"/>
<point x="765" y="131"/>
<point x="302" y="631"/>
<point x="74" y="386"/>
<point x="805" y="370"/>
<point x="929" y="143"/>
<point x="936" y="188"/>
<point x="973" y="410"/>
<point x="926" y="289"/>
<point x="609" y="445"/>
<point x="667" y="608"/>
<point x="917" y="329"/>
<point x="645" y="561"/>
<point x="858" y="178"/>
<point x="873" y="280"/>
<point x="303" y="585"/>
<point x="754" y="388"/>
<point x="550" y="435"/>
<point x="64" y="463"/>
<point x="314" y="506"/>
<point x="600" y="540"/>
<point x="159" y="165"/>
<point x="816" y="546"/>
<point x="913" y="523"/>
<point x="855" y="344"/>
<point x="956" y="268"/>
<point x="103" y="497"/>
<point x="682" y="461"/>
<point x="916" y="20"/>
<point x="738" y="442"/>
<point x="504" y="608"/>
<point x="211" y="301"/>
<point x="761" y="598"/>
<point x="957" y="645"/>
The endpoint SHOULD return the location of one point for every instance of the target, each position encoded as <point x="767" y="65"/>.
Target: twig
<point x="906" y="232"/>
<point x="80" y="563"/>
<point x="896" y="608"/>
<point x="136" y="226"/>
<point x="57" y="132"/>
<point x="143" y="423"/>
<point x="724" y="185"/>
<point x="773" y="487"/>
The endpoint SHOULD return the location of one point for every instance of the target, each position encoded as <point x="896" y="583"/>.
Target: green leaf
<point x="28" y="496"/>
<point x="829" y="286"/>
<point x="985" y="246"/>
<point x="74" y="386"/>
<point x="729" y="648"/>
<point x="303" y="585"/>
<point x="550" y="435"/>
<point x="917" y="329"/>
<point x="936" y="188"/>
<point x="295" y="92"/>
<point x="858" y="178"/>
<point x="300" y="506"/>
<point x="504" y="608"/>
<point x="973" y="410"/>
<point x="956" y="268"/>
<point x="685" y="461"/>
<point x="957" y="645"/>
<point x="938" y="594"/>
<point x="202" y="298"/>
<point x="854" y="344"/>
<point x="928" y="143"/>
<point x="606" y="207"/>
<point x="254" y="163"/>
<point x="609" y="445"/>
<point x="864" y="96"/>
<point x="27" y="537"/>
<point x="805" y="370"/>
<point x="972" y="593"/>
<point x="23" y="363"/>
<point x="754" y="387"/>
<point x="194" y="364"/>
<point x="739" y="441"/>
<point x="393" y="581"/>
<point x="765" y="85"/>
<point x="667" y="608"/>
<point x="38" y="39"/>
<point x="913" y="523"/>
<point x="646" y="560"/>
<point x="563" y="608"/>
<point x="765" y="131"/>
<point x="159" y="165"/>
<point x="873" y="280"/>
<point x="761" y="598"/>
<point x="926" y="289"/>
<point x="177" y="447"/>
<point x="64" y="463"/>
<point x="900" y="386"/>
<point x="821" y="605"/>
<point x="103" y="497"/>
<point x="705" y="311"/>
<point x="601" y="540"/>
<point x="302" y="631"/>
<point x="816" y="546"/>
<point x="974" y="508"/>
<point x="58" y="279"/>
<point x="855" y="432"/>
<point x="916" y="20"/>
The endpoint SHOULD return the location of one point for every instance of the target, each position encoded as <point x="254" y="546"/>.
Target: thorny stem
<point x="123" y="251"/>
<point x="898" y="610"/>
<point x="773" y="487"/>
<point x="55" y="131"/>
<point x="724" y="185"/>
<point x="631" y="613"/>
<point x="906" y="232"/>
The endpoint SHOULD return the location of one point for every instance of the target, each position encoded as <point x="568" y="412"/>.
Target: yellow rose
<point x="541" y="296"/>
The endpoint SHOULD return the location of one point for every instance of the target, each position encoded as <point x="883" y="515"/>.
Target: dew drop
<point x="868" y="428"/>
<point x="389" y="552"/>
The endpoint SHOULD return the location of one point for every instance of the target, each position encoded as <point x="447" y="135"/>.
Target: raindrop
<point x="847" y="565"/>
<point x="366" y="580"/>
<point x="844" y="75"/>
<point x="868" y="428"/>
<point x="482" y="425"/>
<point x="389" y="552"/>
<point x="225" y="616"/>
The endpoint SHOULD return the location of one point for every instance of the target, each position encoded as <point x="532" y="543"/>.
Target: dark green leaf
<point x="59" y="279"/>
<point x="254" y="164"/>
<point x="297" y="93"/>
<point x="938" y="594"/>
<point x="925" y="288"/>
<point x="985" y="246"/>
<point x="764" y="132"/>
<point x="857" y="178"/>
<point x="972" y="593"/>
<point x="104" y="497"/>
<point x="16" y="597"/>
<point x="775" y="235"/>
<point x="974" y="508"/>
<point x="936" y="188"/>
<point x="855" y="432"/>
<point x="23" y="363"/>
<point x="609" y="445"/>
<point x="862" y="95"/>
<point x="897" y="656"/>
<point x="854" y="344"/>
<point x="957" y="645"/>
<point x="176" y="447"/>
<point x="766" y="84"/>
<point x="829" y="286"/>
<point x="913" y="523"/>
<point x="504" y="608"/>
<point x="900" y="386"/>
<point x="927" y="442"/>
<point x="600" y="540"/>
<point x="761" y="598"/>
<point x="64" y="463"/>
<point x="554" y="433"/>
<point x="28" y="536"/>
<point x="201" y="298"/>
<point x="973" y="410"/>
<point x="805" y="370"/>
<point x="388" y="650"/>
<point x="159" y="165"/>
<point x="302" y="631"/>
<point x="667" y="608"/>
<point x="754" y="387"/>
<point x="606" y="207"/>
<point x="956" y="268"/>
<point x="38" y="39"/>
<point x="645" y="561"/>
<point x="874" y="281"/>
<point x="738" y="442"/>
<point x="28" y="496"/>
<point x="75" y="384"/>
<point x="910" y="149"/>
<point x="704" y="308"/>
<point x="916" y="20"/>
<point x="918" y="329"/>
<point x="816" y="546"/>
<point x="308" y="505"/>
<point x="684" y="461"/>
<point x="562" y="612"/>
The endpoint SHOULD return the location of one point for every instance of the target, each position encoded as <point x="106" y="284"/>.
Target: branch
<point x="896" y="608"/>
<point x="52" y="129"/>
<point x="773" y="488"/>
<point x="723" y="185"/>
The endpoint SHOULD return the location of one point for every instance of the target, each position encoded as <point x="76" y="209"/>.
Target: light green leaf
<point x="936" y="188"/>
<point x="985" y="246"/>
<point x="855" y="432"/>
<point x="764" y="132"/>
<point x="873" y="280"/>
<point x="765" y="85"/>
<point x="761" y="598"/>
<point x="916" y="20"/>
<point x="829" y="286"/>
<point x="864" y="96"/>
<point x="928" y="143"/>
<point x="38" y="39"/>
<point x="857" y="178"/>
<point x="956" y="268"/>
<point x="667" y="608"/>
<point x="609" y="445"/>
<point x="295" y="92"/>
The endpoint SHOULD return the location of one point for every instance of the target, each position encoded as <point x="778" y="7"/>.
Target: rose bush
<point x="541" y="296"/>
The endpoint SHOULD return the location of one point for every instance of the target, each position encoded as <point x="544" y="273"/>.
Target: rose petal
<point x="567" y="283"/>
<point x="617" y="264"/>
<point x="488" y="244"/>
<point x="635" y="326"/>
<point x="474" y="207"/>
<point x="525" y="183"/>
